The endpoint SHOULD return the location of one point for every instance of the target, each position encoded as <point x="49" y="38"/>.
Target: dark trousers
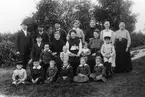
<point x="40" y="80"/>
<point x="24" y="58"/>
<point x="45" y="67"/>
<point x="108" y="69"/>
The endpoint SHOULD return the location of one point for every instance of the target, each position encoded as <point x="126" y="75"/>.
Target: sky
<point x="12" y="12"/>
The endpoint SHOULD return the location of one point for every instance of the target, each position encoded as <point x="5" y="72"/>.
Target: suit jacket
<point x="45" y="38"/>
<point x="36" y="51"/>
<point x="23" y="43"/>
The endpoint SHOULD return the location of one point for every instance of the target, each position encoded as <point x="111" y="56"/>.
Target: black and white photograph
<point x="72" y="48"/>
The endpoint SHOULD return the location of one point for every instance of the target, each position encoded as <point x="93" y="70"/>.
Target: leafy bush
<point x="138" y="39"/>
<point x="7" y="50"/>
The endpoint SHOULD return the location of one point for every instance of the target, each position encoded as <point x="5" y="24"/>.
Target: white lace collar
<point x="82" y="65"/>
<point x="99" y="64"/>
<point x="39" y="67"/>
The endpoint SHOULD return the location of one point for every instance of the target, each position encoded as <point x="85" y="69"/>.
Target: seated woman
<point x="83" y="71"/>
<point x="95" y="47"/>
<point x="99" y="70"/>
<point x="66" y="74"/>
<point x="56" y="47"/>
<point x="74" y="46"/>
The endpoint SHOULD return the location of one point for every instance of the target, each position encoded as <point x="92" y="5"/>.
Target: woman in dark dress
<point x="122" y="45"/>
<point x="74" y="46"/>
<point x="56" y="47"/>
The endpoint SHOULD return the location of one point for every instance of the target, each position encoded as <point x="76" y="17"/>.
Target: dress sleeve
<point x="80" y="47"/>
<point x="128" y="39"/>
<point x="101" y="35"/>
<point x="113" y="37"/>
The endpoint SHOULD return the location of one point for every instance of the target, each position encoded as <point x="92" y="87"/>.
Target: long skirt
<point x="81" y="79"/>
<point x="123" y="58"/>
<point x="74" y="62"/>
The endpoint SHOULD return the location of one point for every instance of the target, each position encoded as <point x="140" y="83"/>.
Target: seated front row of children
<point x="37" y="75"/>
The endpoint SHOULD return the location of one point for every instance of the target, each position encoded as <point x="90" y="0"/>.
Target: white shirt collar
<point x="25" y="32"/>
<point x="99" y="64"/>
<point x="39" y="67"/>
<point x="82" y="65"/>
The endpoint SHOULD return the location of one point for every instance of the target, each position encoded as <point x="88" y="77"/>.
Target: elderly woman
<point x="110" y="33"/>
<point x="122" y="45"/>
<point x="79" y="32"/>
<point x="56" y="47"/>
<point x="74" y="46"/>
<point x="90" y="30"/>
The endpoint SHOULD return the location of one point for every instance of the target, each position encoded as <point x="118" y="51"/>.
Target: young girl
<point x="85" y="50"/>
<point x="108" y="53"/>
<point x="99" y="70"/>
<point x="64" y="56"/>
<point x="51" y="73"/>
<point x="83" y="71"/>
<point x="37" y="75"/>
<point x="19" y="75"/>
<point x="45" y="57"/>
<point x="66" y="74"/>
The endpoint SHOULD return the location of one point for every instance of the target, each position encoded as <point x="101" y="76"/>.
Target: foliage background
<point x="66" y="11"/>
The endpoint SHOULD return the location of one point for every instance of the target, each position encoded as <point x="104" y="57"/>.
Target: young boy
<point x="45" y="57"/>
<point x="66" y="74"/>
<point x="37" y="75"/>
<point x="51" y="74"/>
<point x="19" y="75"/>
<point x="108" y="52"/>
<point x="64" y="56"/>
<point x="36" y="49"/>
<point x="99" y="70"/>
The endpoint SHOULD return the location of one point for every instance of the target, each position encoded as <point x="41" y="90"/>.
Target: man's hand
<point x="17" y="53"/>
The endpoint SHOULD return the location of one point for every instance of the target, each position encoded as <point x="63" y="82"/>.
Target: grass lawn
<point x="120" y="85"/>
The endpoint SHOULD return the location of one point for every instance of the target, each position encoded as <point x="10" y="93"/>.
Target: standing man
<point x="57" y="28"/>
<point x="43" y="35"/>
<point x="24" y="44"/>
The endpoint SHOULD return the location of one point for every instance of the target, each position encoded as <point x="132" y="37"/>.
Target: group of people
<point x="74" y="56"/>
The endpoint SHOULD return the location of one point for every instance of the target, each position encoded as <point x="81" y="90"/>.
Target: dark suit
<point x="45" y="38"/>
<point x="23" y="45"/>
<point x="36" y="51"/>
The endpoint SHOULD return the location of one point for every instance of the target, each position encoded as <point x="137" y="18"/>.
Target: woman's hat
<point x="19" y="63"/>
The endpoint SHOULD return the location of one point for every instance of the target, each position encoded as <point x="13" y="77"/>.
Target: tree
<point x="115" y="11"/>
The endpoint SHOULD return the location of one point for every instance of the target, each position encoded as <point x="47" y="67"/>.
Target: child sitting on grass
<point x="19" y="75"/>
<point x="66" y="74"/>
<point x="51" y="74"/>
<point x="45" y="57"/>
<point x="37" y="73"/>
<point x="108" y="52"/>
<point x="83" y="71"/>
<point x="99" y="70"/>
